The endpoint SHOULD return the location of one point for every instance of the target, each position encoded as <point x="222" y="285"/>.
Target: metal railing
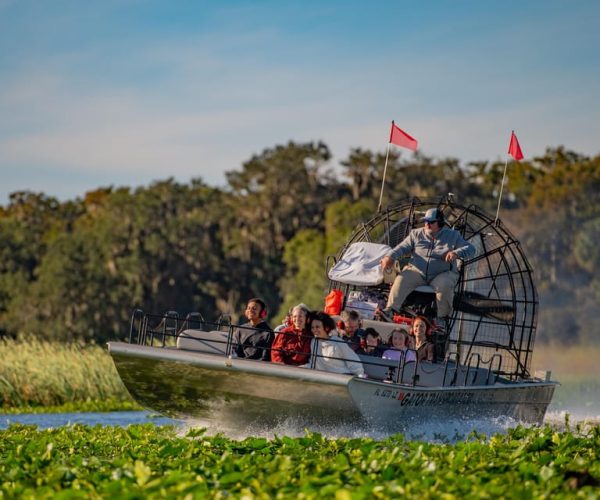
<point x="169" y="327"/>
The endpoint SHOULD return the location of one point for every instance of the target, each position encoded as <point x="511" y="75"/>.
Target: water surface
<point x="449" y="431"/>
<point x="115" y="418"/>
<point x="569" y="404"/>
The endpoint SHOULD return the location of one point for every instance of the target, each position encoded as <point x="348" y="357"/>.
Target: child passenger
<point x="331" y="353"/>
<point x="399" y="345"/>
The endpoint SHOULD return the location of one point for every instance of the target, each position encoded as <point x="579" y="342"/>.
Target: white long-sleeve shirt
<point x="335" y="355"/>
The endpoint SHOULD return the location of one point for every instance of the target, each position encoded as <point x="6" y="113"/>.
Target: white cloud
<point x="196" y="105"/>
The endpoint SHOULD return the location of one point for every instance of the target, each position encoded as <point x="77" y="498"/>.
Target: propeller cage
<point x="495" y="303"/>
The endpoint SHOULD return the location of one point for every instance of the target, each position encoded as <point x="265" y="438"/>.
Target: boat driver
<point x="434" y="250"/>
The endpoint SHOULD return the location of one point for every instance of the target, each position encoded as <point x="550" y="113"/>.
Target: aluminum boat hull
<point x="239" y="393"/>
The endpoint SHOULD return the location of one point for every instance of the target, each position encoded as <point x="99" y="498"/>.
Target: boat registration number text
<point x="427" y="399"/>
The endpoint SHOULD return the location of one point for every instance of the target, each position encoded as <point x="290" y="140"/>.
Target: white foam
<point x="449" y="431"/>
<point x="569" y="418"/>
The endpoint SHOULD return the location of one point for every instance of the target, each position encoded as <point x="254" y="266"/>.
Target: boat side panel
<point x="183" y="389"/>
<point x="397" y="406"/>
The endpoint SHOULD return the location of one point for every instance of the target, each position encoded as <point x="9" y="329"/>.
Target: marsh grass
<point x="36" y="373"/>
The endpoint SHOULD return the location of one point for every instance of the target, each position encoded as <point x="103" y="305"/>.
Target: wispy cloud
<point x="141" y="99"/>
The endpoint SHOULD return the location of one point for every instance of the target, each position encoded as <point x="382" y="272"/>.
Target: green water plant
<point x="145" y="461"/>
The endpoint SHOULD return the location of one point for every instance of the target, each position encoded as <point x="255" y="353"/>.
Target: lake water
<point x="116" y="418"/>
<point x="448" y="431"/>
<point x="580" y="402"/>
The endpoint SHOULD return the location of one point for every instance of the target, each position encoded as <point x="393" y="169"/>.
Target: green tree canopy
<point x="76" y="269"/>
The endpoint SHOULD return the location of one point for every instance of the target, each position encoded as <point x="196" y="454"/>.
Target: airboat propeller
<point x="495" y="304"/>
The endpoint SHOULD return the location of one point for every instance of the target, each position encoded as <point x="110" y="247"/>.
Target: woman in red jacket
<point x="292" y="344"/>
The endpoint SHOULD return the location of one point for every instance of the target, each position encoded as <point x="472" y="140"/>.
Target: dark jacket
<point x="426" y="352"/>
<point x="253" y="342"/>
<point x="356" y="341"/>
<point x="376" y="352"/>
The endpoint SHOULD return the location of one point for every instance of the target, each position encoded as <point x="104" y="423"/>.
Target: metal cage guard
<point x="495" y="303"/>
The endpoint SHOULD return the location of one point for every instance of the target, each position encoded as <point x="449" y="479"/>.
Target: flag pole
<point x="501" y="188"/>
<point x="401" y="139"/>
<point x="387" y="155"/>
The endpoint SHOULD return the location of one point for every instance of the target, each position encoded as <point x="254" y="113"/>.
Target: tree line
<point x="74" y="270"/>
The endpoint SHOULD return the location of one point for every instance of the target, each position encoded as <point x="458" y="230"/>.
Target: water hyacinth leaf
<point x="330" y="489"/>
<point x="101" y="468"/>
<point x="528" y="470"/>
<point x="142" y="472"/>
<point x="258" y="443"/>
<point x="342" y="460"/>
<point x="169" y="449"/>
<point x="230" y="478"/>
<point x="196" y="432"/>
<point x="546" y="472"/>
<point x="344" y="494"/>
<point x="388" y="473"/>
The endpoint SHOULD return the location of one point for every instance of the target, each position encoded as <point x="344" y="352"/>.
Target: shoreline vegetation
<point x="51" y="377"/>
<point x="73" y="270"/>
<point x="40" y="376"/>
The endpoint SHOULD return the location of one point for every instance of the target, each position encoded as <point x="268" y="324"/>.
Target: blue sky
<point x="123" y="93"/>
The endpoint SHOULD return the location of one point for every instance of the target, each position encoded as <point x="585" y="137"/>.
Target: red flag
<point x="401" y="138"/>
<point x="514" y="149"/>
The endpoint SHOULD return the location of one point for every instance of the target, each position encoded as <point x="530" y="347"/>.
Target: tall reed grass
<point x="38" y="373"/>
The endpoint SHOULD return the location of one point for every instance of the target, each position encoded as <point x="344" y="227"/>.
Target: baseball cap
<point x="432" y="215"/>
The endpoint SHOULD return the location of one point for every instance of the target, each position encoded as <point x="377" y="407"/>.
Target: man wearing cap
<point x="434" y="250"/>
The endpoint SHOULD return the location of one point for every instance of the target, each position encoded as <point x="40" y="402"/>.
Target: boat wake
<point x="443" y="432"/>
<point x="569" y="419"/>
<point x="450" y="431"/>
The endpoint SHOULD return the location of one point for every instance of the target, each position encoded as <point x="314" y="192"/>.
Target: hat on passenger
<point x="434" y="214"/>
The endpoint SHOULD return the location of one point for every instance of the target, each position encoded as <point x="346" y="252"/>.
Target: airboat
<point x="185" y="367"/>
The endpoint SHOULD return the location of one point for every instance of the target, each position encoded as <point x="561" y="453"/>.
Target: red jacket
<point x="291" y="347"/>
